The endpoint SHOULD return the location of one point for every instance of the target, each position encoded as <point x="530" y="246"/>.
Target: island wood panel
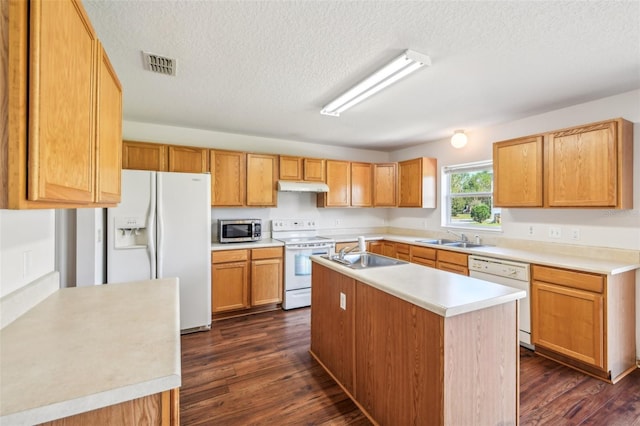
<point x="494" y="367"/>
<point x="161" y="409"/>
<point x="399" y="360"/>
<point x="332" y="328"/>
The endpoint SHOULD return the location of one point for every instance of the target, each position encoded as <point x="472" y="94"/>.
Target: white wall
<point x="598" y="227"/>
<point x="158" y="133"/>
<point x="27" y="247"/>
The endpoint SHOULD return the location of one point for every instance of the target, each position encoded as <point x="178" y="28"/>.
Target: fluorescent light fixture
<point x="400" y="67"/>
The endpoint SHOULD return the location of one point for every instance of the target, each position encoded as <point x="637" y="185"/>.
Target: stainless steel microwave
<point x="239" y="230"/>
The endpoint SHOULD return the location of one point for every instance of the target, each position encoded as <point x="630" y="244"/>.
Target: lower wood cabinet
<point x="266" y="276"/>
<point x="453" y="261"/>
<point x="243" y="279"/>
<point x="229" y="280"/>
<point x="162" y="409"/>
<point x="584" y="320"/>
<point x="425" y="256"/>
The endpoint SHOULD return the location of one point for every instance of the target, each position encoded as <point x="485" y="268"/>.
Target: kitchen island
<point x="105" y="354"/>
<point x="415" y="345"/>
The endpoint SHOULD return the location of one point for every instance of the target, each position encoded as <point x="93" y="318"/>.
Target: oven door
<point x="297" y="266"/>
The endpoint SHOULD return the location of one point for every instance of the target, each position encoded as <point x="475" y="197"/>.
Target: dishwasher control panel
<point x="499" y="267"/>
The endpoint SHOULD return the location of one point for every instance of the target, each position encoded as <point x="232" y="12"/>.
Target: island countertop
<point x="90" y="347"/>
<point x="440" y="292"/>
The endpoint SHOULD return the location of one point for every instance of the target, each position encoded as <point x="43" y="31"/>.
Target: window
<point x="468" y="196"/>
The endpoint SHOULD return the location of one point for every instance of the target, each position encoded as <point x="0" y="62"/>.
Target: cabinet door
<point x="332" y="327"/>
<point x="266" y="281"/>
<point x="290" y="168"/>
<point x="262" y="175"/>
<point x="228" y="178"/>
<point x="229" y="286"/>
<point x="361" y="179"/>
<point x="339" y="182"/>
<point x="314" y="169"/>
<point x="517" y="172"/>
<point x="417" y="183"/>
<point x="384" y="185"/>
<point x="188" y="159"/>
<point x="582" y="166"/>
<point x="61" y="102"/>
<point x="389" y="249"/>
<point x="144" y="156"/>
<point x="109" y="132"/>
<point x="375" y="247"/>
<point x="568" y="321"/>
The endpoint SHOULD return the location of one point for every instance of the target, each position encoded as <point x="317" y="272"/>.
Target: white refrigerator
<point x="162" y="229"/>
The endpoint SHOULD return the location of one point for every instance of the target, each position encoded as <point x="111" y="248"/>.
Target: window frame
<point x="447" y="171"/>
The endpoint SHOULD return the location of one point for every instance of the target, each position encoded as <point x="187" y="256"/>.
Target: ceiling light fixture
<point x="459" y="139"/>
<point x="400" y="67"/>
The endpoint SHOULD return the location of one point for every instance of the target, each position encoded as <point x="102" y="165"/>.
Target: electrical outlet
<point x="575" y="233"/>
<point x="530" y="231"/>
<point x="343" y="301"/>
<point x="424" y="224"/>
<point x="337" y="222"/>
<point x="555" y="232"/>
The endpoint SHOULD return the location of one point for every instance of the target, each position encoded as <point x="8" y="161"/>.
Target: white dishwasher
<point x="510" y="274"/>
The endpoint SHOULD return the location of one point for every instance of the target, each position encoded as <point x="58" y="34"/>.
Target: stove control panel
<point x="293" y="225"/>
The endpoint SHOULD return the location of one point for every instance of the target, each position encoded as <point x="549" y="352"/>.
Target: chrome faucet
<point x="346" y="250"/>
<point x="461" y="235"/>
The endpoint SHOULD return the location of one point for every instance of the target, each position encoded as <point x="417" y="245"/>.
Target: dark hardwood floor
<point x="257" y="370"/>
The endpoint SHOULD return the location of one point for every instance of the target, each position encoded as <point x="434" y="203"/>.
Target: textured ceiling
<point x="266" y="68"/>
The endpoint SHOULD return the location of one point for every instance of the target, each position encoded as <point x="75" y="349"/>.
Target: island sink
<point x="365" y="260"/>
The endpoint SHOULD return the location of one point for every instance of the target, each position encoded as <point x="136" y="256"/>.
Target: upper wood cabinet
<point x="262" y="175"/>
<point x="361" y="180"/>
<point x="585" y="166"/>
<point x="302" y="169"/>
<point x="591" y="166"/>
<point x="385" y="185"/>
<point x="187" y="159"/>
<point x="228" y="178"/>
<point x="517" y="172"/>
<point x="313" y="169"/>
<point x="54" y="120"/>
<point x="338" y="174"/>
<point x="144" y="156"/>
<point x="417" y="183"/>
<point x="109" y="132"/>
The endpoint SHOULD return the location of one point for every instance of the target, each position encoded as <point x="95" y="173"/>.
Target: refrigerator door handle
<point x="151" y="226"/>
<point x="160" y="227"/>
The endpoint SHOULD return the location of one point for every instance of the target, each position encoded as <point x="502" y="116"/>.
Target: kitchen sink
<point x="365" y="260"/>
<point x="439" y="242"/>
<point x="463" y="244"/>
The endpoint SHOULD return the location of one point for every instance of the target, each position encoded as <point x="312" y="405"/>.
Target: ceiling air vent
<point x="159" y="64"/>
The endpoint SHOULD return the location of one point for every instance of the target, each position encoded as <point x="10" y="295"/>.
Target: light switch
<point x="343" y="301"/>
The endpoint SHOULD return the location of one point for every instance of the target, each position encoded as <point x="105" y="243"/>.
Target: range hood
<point x="288" y="186"/>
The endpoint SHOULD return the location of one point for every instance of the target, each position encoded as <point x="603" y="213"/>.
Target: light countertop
<point x="581" y="263"/>
<point x="267" y="242"/>
<point x="89" y="347"/>
<point x="440" y="292"/>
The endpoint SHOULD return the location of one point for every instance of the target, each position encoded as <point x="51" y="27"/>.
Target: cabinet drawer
<point x="424" y="262"/>
<point x="452" y="257"/>
<point x="423" y="252"/>
<point x="573" y="279"/>
<point x="402" y="248"/>
<point x="229" y="256"/>
<point x="266" y="253"/>
<point x="450" y="267"/>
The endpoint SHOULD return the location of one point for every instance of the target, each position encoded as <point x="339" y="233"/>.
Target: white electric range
<point x="301" y="240"/>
